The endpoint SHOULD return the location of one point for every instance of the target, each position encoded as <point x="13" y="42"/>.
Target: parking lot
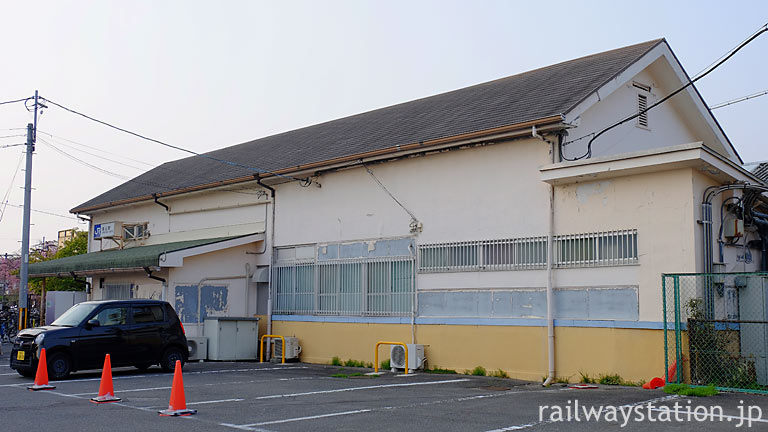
<point x="233" y="396"/>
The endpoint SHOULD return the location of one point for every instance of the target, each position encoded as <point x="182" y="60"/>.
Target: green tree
<point x="77" y="245"/>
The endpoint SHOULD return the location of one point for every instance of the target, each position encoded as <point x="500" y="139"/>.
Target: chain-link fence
<point x="716" y="329"/>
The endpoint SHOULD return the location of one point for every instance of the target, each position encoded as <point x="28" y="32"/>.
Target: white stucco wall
<point x="659" y="205"/>
<point x="486" y="192"/>
<point x="201" y="215"/>
<point x="666" y="124"/>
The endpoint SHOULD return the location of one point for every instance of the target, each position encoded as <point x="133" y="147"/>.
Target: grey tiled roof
<point x="761" y="171"/>
<point x="533" y="95"/>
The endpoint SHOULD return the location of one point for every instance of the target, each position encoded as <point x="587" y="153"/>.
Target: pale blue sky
<point x="206" y="75"/>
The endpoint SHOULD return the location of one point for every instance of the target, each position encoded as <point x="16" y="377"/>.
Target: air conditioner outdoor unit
<point x="292" y="349"/>
<point x="415" y="357"/>
<point x="198" y="348"/>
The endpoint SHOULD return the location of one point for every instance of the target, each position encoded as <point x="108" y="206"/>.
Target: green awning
<point x="118" y="259"/>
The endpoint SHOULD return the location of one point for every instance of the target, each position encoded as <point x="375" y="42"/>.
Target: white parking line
<point x="165" y="374"/>
<point x="250" y="427"/>
<point x="215" y="401"/>
<point x="543" y="422"/>
<point x="309" y="417"/>
<point x="205" y="385"/>
<point x="125" y="391"/>
<point x="360" y="388"/>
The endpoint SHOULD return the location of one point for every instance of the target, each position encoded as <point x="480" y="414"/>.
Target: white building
<point x="429" y="221"/>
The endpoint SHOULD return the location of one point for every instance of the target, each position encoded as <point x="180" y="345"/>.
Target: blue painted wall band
<point x="512" y="322"/>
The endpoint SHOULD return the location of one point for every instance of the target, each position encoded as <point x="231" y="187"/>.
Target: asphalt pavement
<point x="231" y="396"/>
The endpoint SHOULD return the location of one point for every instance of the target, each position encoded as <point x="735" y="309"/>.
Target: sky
<point x="207" y="75"/>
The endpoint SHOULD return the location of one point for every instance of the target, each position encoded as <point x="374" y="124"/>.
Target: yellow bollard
<point x="376" y="355"/>
<point x="261" y="347"/>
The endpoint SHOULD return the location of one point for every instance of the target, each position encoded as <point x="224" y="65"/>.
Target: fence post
<point x="664" y="318"/>
<point x="678" y="337"/>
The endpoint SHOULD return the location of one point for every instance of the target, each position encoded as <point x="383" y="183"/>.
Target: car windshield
<point x="75" y="315"/>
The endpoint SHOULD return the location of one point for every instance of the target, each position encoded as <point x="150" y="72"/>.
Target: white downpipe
<point x="550" y="255"/>
<point x="247" y="288"/>
<point x="269" y="287"/>
<point x="550" y="292"/>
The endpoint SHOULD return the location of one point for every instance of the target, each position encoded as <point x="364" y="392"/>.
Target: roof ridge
<point x="652" y="43"/>
<point x="535" y="94"/>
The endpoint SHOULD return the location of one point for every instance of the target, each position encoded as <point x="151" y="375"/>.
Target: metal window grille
<point x="135" y="232"/>
<point x="505" y="254"/>
<point x="118" y="291"/>
<point x="610" y="248"/>
<point x="349" y="287"/>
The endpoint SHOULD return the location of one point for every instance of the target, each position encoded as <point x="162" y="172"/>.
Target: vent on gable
<point x="643" y="87"/>
<point x="642" y="105"/>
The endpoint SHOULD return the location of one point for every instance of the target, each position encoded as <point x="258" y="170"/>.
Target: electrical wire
<point x="414" y="218"/>
<point x="202" y="155"/>
<point x="707" y="71"/>
<point x="123" y="177"/>
<point x="89" y="165"/>
<point x="101" y="150"/>
<point x="102" y="157"/>
<point x="15" y="101"/>
<point x="11" y="145"/>
<point x="4" y="203"/>
<point x="159" y="167"/>
<point x="13" y="136"/>
<point x="43" y="211"/>
<point x="737" y="100"/>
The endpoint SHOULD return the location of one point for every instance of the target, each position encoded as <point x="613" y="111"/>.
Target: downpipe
<point x="550" y="288"/>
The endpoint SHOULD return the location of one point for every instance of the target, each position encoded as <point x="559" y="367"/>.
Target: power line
<point x="82" y="162"/>
<point x="202" y="155"/>
<point x="737" y="100"/>
<point x="13" y="136"/>
<point x="413" y="218"/>
<point x="10" y="187"/>
<point x="42" y="211"/>
<point x="14" y="101"/>
<point x="723" y="59"/>
<point x="122" y="177"/>
<point x="11" y="145"/>
<point x="56" y="137"/>
<point x="100" y="156"/>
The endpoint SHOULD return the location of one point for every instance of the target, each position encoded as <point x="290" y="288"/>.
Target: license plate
<point x="20" y="355"/>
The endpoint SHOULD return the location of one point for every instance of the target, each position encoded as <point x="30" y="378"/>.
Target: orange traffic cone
<point x="106" y="391"/>
<point x="41" y="377"/>
<point x="178" y="403"/>
<point x="654" y="384"/>
<point x="672" y="372"/>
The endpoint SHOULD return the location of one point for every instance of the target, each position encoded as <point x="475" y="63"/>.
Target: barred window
<point x="506" y="254"/>
<point x="352" y="287"/>
<point x="609" y="248"/>
<point x="118" y="291"/>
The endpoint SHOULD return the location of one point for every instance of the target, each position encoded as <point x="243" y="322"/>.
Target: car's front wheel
<point x="59" y="366"/>
<point x="170" y="356"/>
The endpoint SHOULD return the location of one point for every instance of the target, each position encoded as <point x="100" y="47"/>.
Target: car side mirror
<point x="92" y="323"/>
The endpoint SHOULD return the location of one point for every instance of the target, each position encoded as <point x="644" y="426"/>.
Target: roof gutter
<point x="523" y="127"/>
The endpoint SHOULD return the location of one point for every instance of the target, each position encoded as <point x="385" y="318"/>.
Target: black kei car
<point x="138" y="333"/>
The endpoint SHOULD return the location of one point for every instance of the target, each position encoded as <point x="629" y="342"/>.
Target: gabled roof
<point x="761" y="171"/>
<point x="538" y="94"/>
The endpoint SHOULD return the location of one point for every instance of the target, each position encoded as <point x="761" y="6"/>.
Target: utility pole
<point x="24" y="276"/>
